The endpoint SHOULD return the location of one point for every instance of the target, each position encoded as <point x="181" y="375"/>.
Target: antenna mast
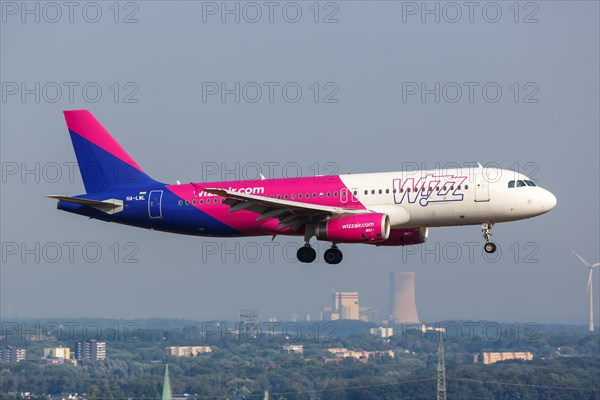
<point x="441" y="370"/>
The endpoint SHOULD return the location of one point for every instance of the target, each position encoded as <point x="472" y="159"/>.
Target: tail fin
<point x="103" y="163"/>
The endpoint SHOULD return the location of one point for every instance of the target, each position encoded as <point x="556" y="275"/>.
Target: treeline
<point x="566" y="365"/>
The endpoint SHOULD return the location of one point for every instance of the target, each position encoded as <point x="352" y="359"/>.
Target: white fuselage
<point x="449" y="197"/>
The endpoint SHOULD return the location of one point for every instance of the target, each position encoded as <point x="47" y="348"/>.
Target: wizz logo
<point x="429" y="189"/>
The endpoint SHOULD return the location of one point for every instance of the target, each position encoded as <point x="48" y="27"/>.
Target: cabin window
<point x="380" y="191"/>
<point x="328" y="194"/>
<point x="394" y="190"/>
<point x="285" y="196"/>
<point x="187" y="202"/>
<point x="293" y="196"/>
<point x="373" y="191"/>
<point x="201" y="201"/>
<point x="366" y="192"/>
<point x="387" y="191"/>
<point x="466" y="187"/>
<point x="458" y="188"/>
<point x="279" y="196"/>
<point x="194" y="201"/>
<point x="336" y="193"/>
<point x="299" y="195"/>
<point x="314" y="195"/>
<point x="321" y="195"/>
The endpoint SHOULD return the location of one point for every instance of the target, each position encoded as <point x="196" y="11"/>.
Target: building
<point x="58" y="355"/>
<point x="494" y="357"/>
<point x="345" y="306"/>
<point x="57" y="352"/>
<point x="293" y="348"/>
<point x="382" y="331"/>
<point x="425" y="329"/>
<point x="12" y="354"/>
<point x="90" y="350"/>
<point x="403" y="307"/>
<point x="360" y="355"/>
<point x="187" y="351"/>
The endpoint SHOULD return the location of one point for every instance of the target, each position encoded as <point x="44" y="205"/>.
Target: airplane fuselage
<point x="431" y="198"/>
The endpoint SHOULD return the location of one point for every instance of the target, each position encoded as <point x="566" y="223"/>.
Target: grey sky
<point x="366" y="57"/>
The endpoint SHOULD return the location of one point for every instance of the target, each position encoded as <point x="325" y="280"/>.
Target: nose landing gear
<point x="489" y="247"/>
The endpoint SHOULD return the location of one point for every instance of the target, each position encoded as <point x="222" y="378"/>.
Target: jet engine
<point x="361" y="228"/>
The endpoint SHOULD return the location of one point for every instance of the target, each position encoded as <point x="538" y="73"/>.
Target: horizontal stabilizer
<point x="110" y="206"/>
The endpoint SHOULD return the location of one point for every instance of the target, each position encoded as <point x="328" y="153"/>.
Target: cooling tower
<point x="403" y="308"/>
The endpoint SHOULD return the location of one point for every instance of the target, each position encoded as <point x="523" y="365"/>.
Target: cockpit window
<point x="523" y="183"/>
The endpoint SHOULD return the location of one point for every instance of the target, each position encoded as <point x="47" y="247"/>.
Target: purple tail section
<point x="103" y="163"/>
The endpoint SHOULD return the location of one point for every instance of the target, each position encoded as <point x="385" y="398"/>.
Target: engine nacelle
<point x="361" y="228"/>
<point x="405" y="237"/>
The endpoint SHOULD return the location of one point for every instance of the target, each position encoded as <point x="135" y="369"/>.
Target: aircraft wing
<point x="292" y="214"/>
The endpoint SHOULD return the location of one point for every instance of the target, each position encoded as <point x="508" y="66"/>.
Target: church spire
<point x="167" y="393"/>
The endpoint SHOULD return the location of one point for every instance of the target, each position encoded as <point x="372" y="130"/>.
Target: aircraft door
<point x="482" y="187"/>
<point x="155" y="204"/>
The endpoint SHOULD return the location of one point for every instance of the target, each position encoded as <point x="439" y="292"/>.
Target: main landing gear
<point x="333" y="255"/>
<point x="489" y="247"/>
<point x="307" y="254"/>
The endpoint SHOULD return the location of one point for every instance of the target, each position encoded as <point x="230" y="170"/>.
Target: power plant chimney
<point x="403" y="308"/>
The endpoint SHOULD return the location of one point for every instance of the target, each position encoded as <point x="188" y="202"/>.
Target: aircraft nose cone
<point x="549" y="201"/>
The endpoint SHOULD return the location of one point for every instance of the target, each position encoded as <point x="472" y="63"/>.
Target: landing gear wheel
<point x="486" y="228"/>
<point x="333" y="256"/>
<point x="489" y="248"/>
<point x="306" y="254"/>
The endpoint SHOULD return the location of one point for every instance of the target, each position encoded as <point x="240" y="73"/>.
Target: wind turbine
<point x="590" y="286"/>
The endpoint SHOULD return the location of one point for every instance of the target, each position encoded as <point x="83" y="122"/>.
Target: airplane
<point x="382" y="209"/>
